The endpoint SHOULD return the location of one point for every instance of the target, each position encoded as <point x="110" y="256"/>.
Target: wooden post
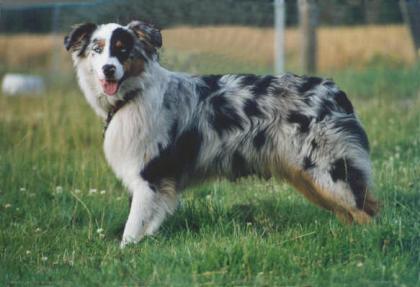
<point x="279" y="16"/>
<point x="308" y="20"/>
<point x="411" y="14"/>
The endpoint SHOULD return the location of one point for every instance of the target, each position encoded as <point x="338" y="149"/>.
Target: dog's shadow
<point x="263" y="216"/>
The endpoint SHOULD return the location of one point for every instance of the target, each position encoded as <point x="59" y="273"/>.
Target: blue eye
<point x="97" y="49"/>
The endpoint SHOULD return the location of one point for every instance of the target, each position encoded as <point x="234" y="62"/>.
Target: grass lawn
<point x="62" y="210"/>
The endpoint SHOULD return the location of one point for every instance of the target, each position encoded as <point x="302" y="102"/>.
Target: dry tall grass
<point x="338" y="47"/>
<point x="25" y="50"/>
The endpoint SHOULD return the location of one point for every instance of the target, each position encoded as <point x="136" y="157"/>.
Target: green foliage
<point x="58" y="227"/>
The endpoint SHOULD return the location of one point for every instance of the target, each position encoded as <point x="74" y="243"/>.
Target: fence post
<point x="410" y="12"/>
<point x="308" y="20"/>
<point x="279" y="23"/>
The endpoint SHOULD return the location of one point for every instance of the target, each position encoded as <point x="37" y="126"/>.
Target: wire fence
<point x="20" y="16"/>
<point x="208" y="36"/>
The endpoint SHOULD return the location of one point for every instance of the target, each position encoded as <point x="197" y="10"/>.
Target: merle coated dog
<point x="167" y="130"/>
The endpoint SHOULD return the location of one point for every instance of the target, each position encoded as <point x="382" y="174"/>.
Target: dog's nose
<point x="109" y="70"/>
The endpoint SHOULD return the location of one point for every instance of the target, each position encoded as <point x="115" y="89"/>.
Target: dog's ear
<point x="146" y="32"/>
<point x="78" y="38"/>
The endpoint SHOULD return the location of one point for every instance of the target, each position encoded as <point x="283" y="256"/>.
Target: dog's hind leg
<point x="165" y="203"/>
<point x="347" y="197"/>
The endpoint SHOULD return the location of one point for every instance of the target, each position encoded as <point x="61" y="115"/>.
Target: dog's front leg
<point x="140" y="213"/>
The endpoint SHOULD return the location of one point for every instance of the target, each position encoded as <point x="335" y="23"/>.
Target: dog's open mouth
<point x="110" y="87"/>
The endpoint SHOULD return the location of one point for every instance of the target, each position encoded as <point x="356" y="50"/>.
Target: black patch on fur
<point x="302" y="120"/>
<point x="309" y="83"/>
<point x="260" y="139"/>
<point x="345" y="170"/>
<point x="175" y="159"/>
<point x="308" y="163"/>
<point x="79" y="38"/>
<point x="173" y="131"/>
<point x="258" y="84"/>
<point x="239" y="166"/>
<point x="148" y="33"/>
<point x="126" y="38"/>
<point x="329" y="84"/>
<point x="343" y="102"/>
<point x="224" y="118"/>
<point x="314" y="144"/>
<point x="212" y="81"/>
<point x="357" y="182"/>
<point x="153" y="187"/>
<point x="338" y="170"/>
<point x="325" y="109"/>
<point x="280" y="92"/>
<point x="248" y="80"/>
<point x="211" y="86"/>
<point x="160" y="147"/>
<point x="261" y="85"/>
<point x="131" y="94"/>
<point x="350" y="126"/>
<point x="251" y="109"/>
<point x="166" y="104"/>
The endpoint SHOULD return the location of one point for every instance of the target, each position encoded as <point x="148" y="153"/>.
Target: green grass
<point x="55" y="230"/>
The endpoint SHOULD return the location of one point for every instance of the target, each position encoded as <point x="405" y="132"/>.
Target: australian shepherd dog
<point x="165" y="131"/>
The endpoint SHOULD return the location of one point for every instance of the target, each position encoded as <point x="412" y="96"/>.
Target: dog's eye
<point x="123" y="50"/>
<point x="97" y="49"/>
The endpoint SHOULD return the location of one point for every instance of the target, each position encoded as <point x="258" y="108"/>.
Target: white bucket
<point x="21" y="84"/>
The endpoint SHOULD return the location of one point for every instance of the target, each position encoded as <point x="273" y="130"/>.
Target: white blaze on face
<point x="101" y="56"/>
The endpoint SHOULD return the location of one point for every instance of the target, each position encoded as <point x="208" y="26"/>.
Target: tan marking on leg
<point x="370" y="204"/>
<point x="165" y="204"/>
<point x="369" y="209"/>
<point x="167" y="188"/>
<point x="304" y="183"/>
<point x="360" y="216"/>
<point x="344" y="216"/>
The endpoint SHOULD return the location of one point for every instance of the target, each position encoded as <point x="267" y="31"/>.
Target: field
<point x="339" y="48"/>
<point x="62" y="210"/>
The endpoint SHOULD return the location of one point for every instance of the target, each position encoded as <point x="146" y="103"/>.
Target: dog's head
<point x="113" y="53"/>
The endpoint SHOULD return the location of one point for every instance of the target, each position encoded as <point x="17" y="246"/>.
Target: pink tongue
<point x="110" y="87"/>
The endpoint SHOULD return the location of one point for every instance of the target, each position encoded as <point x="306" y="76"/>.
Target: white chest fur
<point x="134" y="135"/>
<point x="126" y="145"/>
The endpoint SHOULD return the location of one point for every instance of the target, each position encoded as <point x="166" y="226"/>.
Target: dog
<point x="166" y="130"/>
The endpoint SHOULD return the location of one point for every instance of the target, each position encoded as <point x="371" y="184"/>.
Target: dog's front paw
<point x="128" y="240"/>
<point x="123" y="244"/>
